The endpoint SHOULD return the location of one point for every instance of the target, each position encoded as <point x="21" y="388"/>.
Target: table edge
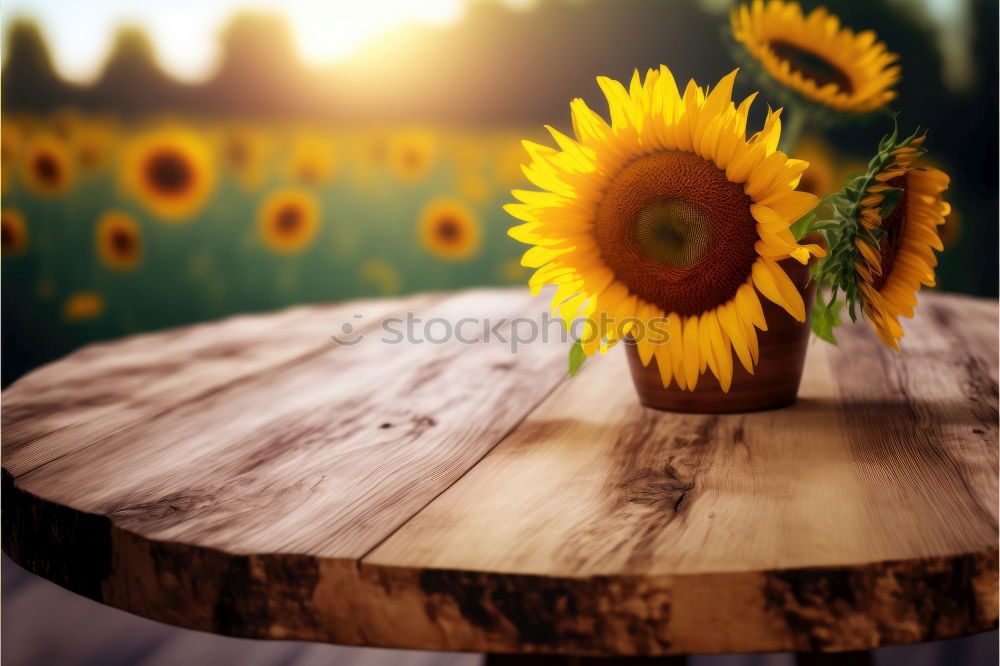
<point x="355" y="602"/>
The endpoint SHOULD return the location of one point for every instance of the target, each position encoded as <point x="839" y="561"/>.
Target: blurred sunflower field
<point x="326" y="151"/>
<point x="111" y="228"/>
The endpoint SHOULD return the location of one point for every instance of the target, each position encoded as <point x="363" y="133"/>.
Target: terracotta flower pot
<point x="775" y="382"/>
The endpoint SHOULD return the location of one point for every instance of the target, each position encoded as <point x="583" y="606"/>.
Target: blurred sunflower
<point x="171" y="171"/>
<point x="375" y="146"/>
<point x="93" y="143"/>
<point x="821" y="176"/>
<point x="119" y="240"/>
<point x="383" y="275"/>
<point x="411" y="154"/>
<point x="512" y="271"/>
<point x="472" y="185"/>
<point x="896" y="250"/>
<point x="669" y="214"/>
<point x="47" y="165"/>
<point x="288" y="220"/>
<point x="12" y="135"/>
<point x="13" y="232"/>
<point x="449" y="230"/>
<point x="369" y="151"/>
<point x="312" y="160"/>
<point x="65" y="122"/>
<point x="83" y="306"/>
<point x="827" y="65"/>
<point x="245" y="151"/>
<point x="469" y="152"/>
<point x="510" y="156"/>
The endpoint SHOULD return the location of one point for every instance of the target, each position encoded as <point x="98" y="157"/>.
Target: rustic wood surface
<point x="251" y="478"/>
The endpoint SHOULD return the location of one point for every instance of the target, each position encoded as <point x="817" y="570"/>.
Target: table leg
<point x="560" y="660"/>
<point x="859" y="658"/>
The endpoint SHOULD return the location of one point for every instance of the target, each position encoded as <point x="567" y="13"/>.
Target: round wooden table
<point x="252" y="477"/>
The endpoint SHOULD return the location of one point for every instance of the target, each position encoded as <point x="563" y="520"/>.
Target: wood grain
<point x="104" y="387"/>
<point x="324" y="457"/>
<point x="460" y="497"/>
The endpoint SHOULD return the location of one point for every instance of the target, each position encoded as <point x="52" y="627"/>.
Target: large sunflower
<point x="171" y="171"/>
<point x="48" y="165"/>
<point x="887" y="234"/>
<point x="449" y="230"/>
<point x="812" y="55"/>
<point x="288" y="220"/>
<point x="118" y="240"/>
<point x="669" y="211"/>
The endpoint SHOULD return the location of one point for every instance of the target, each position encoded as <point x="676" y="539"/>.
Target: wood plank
<point x="104" y="387"/>
<point x="324" y="457"/>
<point x="885" y="458"/>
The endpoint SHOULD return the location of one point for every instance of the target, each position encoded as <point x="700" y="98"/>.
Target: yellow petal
<point x="665" y="364"/>
<point x="722" y="349"/>
<point x="692" y="353"/>
<point x="729" y="319"/>
<point x="790" y="297"/>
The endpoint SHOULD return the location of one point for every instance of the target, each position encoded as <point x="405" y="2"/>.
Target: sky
<point x="185" y="33"/>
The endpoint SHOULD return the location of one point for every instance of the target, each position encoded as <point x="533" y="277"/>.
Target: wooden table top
<point x="249" y="477"/>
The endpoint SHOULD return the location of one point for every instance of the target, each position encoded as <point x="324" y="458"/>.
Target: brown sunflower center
<point x="672" y="232"/>
<point x="411" y="158"/>
<point x="8" y="237"/>
<point x="894" y="227"/>
<point x="677" y="232"/>
<point x="812" y="66"/>
<point x="169" y="172"/>
<point x="309" y="172"/>
<point x="237" y="153"/>
<point x="47" y="168"/>
<point x="122" y="242"/>
<point x="449" y="230"/>
<point x="288" y="219"/>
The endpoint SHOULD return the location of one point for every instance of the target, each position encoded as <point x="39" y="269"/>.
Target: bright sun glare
<point x="184" y="33"/>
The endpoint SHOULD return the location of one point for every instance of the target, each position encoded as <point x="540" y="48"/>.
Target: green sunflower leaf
<point x="801" y="226"/>
<point x="889" y="203"/>
<point x="825" y="318"/>
<point x="825" y="225"/>
<point x="576" y="358"/>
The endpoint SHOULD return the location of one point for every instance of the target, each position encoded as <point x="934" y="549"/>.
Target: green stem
<point x="791" y="130"/>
